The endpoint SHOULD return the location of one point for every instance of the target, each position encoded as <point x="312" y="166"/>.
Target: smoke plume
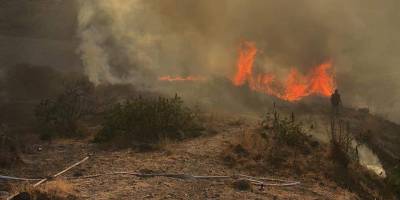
<point x="136" y="41"/>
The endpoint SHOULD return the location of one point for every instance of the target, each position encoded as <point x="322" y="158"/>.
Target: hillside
<point x="199" y="100"/>
<point x="205" y="156"/>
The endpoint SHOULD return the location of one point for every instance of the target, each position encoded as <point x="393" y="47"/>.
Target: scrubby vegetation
<point x="149" y="120"/>
<point x="281" y="147"/>
<point x="60" y="116"/>
<point x="394" y="180"/>
<point x="286" y="130"/>
<point x="9" y="152"/>
<point x="279" y="142"/>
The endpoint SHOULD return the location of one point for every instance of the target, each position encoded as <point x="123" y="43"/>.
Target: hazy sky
<point x="137" y="40"/>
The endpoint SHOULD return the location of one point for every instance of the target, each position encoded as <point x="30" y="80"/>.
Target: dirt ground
<point x="199" y="156"/>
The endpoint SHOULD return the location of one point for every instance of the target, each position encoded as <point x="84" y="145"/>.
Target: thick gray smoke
<point x="138" y="40"/>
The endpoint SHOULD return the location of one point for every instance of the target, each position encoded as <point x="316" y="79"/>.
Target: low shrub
<point x="9" y="148"/>
<point x="286" y="130"/>
<point x="394" y="180"/>
<point x="61" y="116"/>
<point x="149" y="120"/>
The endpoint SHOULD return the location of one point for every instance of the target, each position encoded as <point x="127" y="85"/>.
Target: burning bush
<point x="61" y="116"/>
<point x="149" y="120"/>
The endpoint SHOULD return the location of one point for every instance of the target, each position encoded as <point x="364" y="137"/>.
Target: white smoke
<point x="113" y="49"/>
<point x="370" y="160"/>
<point x="94" y="57"/>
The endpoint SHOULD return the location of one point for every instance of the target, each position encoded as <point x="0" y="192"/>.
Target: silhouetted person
<point x="336" y="102"/>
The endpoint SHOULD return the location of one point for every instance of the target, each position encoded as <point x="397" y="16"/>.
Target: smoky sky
<point x="137" y="40"/>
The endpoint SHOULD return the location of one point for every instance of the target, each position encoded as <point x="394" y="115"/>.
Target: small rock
<point x="238" y="149"/>
<point x="39" y="148"/>
<point x="78" y="173"/>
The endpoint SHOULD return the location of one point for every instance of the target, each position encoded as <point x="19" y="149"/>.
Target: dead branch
<point x="54" y="176"/>
<point x="62" y="172"/>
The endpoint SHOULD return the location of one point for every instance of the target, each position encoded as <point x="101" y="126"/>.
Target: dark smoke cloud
<point x="137" y="40"/>
<point x="40" y="32"/>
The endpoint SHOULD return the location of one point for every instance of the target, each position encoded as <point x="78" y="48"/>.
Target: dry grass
<point x="53" y="190"/>
<point x="9" y="150"/>
<point x="166" y="144"/>
<point x="254" y="143"/>
<point x="266" y="155"/>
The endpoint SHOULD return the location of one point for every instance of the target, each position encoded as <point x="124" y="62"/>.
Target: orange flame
<point x="320" y="81"/>
<point x="180" y="78"/>
<point x="247" y="55"/>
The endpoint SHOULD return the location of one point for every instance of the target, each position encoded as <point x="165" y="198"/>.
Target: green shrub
<point x="394" y="180"/>
<point x="9" y="148"/>
<point x="61" y="116"/>
<point x="285" y="130"/>
<point x="149" y="120"/>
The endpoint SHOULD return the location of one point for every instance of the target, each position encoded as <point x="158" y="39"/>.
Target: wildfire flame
<point x="247" y="56"/>
<point x="319" y="81"/>
<point x="180" y="78"/>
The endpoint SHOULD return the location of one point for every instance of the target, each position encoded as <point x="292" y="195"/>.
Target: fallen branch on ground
<point x="45" y="179"/>
<point x="62" y="172"/>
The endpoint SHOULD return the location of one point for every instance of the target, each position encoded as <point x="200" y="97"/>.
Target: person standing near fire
<point x="336" y="102"/>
